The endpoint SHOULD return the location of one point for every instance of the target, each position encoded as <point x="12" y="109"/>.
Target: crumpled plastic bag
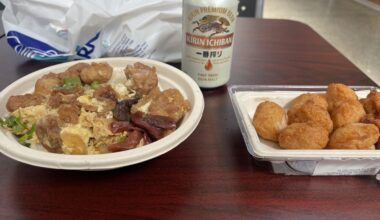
<point x="82" y="29"/>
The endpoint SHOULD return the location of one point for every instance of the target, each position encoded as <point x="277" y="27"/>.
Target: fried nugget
<point x="337" y="92"/>
<point x="368" y="105"/>
<point x="371" y="119"/>
<point x="347" y="111"/>
<point x="303" y="136"/>
<point x="354" y="136"/>
<point x="375" y="97"/>
<point x="315" y="98"/>
<point x="309" y="112"/>
<point x="269" y="120"/>
<point x="299" y="101"/>
<point x="371" y="104"/>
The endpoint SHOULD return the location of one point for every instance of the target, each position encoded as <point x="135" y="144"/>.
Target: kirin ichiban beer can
<point x="208" y="28"/>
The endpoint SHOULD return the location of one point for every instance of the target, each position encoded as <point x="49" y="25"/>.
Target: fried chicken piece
<point x="315" y="98"/>
<point x="21" y="101"/>
<point x="74" y="70"/>
<point x="368" y="105"/>
<point x="371" y="119"/>
<point x="169" y="103"/>
<point x="269" y="119"/>
<point x="69" y="113"/>
<point x="57" y="98"/>
<point x="142" y="77"/>
<point x="354" y="136"/>
<point x="371" y="104"/>
<point x="47" y="84"/>
<point x="337" y="92"/>
<point x="303" y="136"/>
<point x="96" y="72"/>
<point x="48" y="133"/>
<point x="375" y="97"/>
<point x="347" y="111"/>
<point x="309" y="112"/>
<point x="105" y="91"/>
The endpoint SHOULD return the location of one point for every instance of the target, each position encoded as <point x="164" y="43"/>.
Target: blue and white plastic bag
<point x="81" y="29"/>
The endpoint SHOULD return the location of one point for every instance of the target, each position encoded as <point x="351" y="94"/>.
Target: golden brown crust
<point x="309" y="112"/>
<point x="371" y="104"/>
<point x="354" y="136"/>
<point x="368" y="106"/>
<point x="347" y="111"/>
<point x="299" y="101"/>
<point x="374" y="96"/>
<point x="315" y="98"/>
<point x="303" y="136"/>
<point x="338" y="112"/>
<point x="337" y="92"/>
<point x="371" y="119"/>
<point x="269" y="120"/>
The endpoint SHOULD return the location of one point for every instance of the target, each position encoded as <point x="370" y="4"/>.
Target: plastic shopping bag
<point x="82" y="29"/>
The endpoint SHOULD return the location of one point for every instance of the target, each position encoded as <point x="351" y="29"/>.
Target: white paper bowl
<point x="169" y="77"/>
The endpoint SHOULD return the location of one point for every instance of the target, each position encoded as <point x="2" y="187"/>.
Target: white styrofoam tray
<point x="245" y="100"/>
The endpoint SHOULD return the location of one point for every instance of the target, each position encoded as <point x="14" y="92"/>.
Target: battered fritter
<point x="315" y="98"/>
<point x="269" y="120"/>
<point x="337" y="92"/>
<point x="347" y="111"/>
<point x="309" y="112"/>
<point x="371" y="104"/>
<point x="303" y="136"/>
<point x="354" y="136"/>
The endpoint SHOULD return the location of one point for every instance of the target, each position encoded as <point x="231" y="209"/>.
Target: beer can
<point x="208" y="28"/>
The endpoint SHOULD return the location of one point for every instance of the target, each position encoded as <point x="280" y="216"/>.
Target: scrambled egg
<point x="88" y="100"/>
<point x="31" y="114"/>
<point x="75" y="139"/>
